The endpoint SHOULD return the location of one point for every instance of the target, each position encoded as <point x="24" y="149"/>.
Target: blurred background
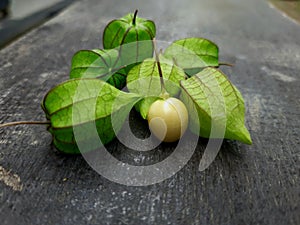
<point x="289" y="7"/>
<point x="20" y="16"/>
<point x="17" y="9"/>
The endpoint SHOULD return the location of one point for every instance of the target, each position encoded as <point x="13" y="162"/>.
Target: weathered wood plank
<point x="256" y="184"/>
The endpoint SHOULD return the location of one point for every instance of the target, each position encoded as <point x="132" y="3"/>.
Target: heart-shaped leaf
<point x="102" y="64"/>
<point x="78" y="107"/>
<point x="193" y="54"/>
<point x="145" y="80"/>
<point x="214" y="102"/>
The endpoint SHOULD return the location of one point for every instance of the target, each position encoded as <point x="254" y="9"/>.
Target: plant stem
<point x="25" y="123"/>
<point x="162" y="82"/>
<point x="134" y="17"/>
<point x="225" y="64"/>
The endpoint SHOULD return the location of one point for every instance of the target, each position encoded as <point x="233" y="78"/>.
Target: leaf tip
<point x="246" y="137"/>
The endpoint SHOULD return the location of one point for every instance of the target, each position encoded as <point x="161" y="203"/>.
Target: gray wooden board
<point x="256" y="184"/>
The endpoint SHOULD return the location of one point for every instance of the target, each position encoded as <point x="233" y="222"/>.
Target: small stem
<point x="134" y="17"/>
<point x="162" y="82"/>
<point x="225" y="64"/>
<point x="25" y="123"/>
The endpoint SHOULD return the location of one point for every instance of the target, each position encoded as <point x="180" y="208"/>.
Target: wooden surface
<point x="256" y="184"/>
<point x="26" y="15"/>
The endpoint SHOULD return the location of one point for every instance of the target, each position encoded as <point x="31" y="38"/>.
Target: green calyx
<point x="185" y="70"/>
<point x="127" y="29"/>
<point x="77" y="107"/>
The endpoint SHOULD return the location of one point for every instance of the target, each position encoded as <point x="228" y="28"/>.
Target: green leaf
<point x="193" y="54"/>
<point x="215" y="105"/>
<point x="132" y="37"/>
<point x="79" y="106"/>
<point x="102" y="64"/>
<point x="144" y="79"/>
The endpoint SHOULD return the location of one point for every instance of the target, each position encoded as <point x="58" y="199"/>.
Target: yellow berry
<point x="168" y="119"/>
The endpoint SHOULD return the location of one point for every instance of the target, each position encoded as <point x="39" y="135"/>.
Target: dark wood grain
<point x="256" y="184"/>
